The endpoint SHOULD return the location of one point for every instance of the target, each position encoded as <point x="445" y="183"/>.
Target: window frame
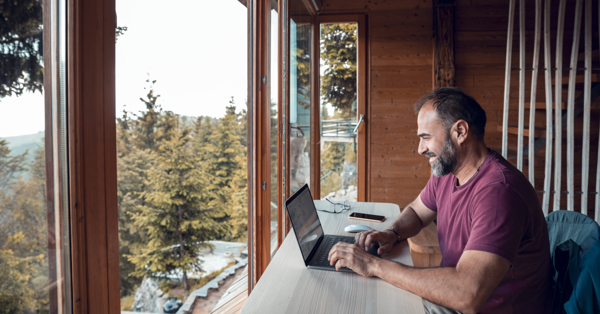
<point x="92" y="156"/>
<point x="362" y="76"/>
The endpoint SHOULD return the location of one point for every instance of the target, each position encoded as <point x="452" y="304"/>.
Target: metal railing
<point x="338" y="128"/>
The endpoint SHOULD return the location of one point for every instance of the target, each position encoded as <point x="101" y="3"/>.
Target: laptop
<point x="314" y="244"/>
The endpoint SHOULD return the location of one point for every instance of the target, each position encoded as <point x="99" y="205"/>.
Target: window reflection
<point x="300" y="73"/>
<point x="34" y="244"/>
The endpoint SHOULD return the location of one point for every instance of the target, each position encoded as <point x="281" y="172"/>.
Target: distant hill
<point x="20" y="144"/>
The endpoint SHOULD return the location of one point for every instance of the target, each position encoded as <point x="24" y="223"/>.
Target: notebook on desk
<point x="314" y="243"/>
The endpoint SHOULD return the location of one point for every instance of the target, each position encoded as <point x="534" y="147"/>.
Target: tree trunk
<point x="181" y="251"/>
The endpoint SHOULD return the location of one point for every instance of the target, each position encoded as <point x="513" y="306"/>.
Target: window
<point x="34" y="219"/>
<point x="181" y="149"/>
<point x="338" y="111"/>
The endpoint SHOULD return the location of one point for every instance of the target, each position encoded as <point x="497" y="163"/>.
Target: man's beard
<point x="446" y="159"/>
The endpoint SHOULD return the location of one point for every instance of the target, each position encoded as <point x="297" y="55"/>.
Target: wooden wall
<point x="400" y="63"/>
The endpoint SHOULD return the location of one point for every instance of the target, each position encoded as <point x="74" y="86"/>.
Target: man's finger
<point x="341" y="263"/>
<point x="361" y="238"/>
<point x="370" y="239"/>
<point x="338" y="246"/>
<point x="384" y="248"/>
<point x="337" y="256"/>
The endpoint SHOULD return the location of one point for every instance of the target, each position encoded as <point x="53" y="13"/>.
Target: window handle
<point x="362" y="117"/>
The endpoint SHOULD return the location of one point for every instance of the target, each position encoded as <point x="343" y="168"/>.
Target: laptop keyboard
<point x="326" y="246"/>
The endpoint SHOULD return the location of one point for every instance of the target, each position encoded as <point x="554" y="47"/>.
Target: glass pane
<point x="34" y="245"/>
<point x="338" y="111"/>
<point x="181" y="135"/>
<point x="300" y="46"/>
<point x="274" y="86"/>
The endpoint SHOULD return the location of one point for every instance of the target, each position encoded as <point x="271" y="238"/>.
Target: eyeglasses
<point x="337" y="207"/>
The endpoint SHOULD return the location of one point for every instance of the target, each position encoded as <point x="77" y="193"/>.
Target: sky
<point x="196" y="50"/>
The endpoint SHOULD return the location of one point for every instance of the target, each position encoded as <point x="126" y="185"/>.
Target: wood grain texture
<point x="425" y="247"/>
<point x="571" y="109"/>
<point x="399" y="54"/>
<point x="443" y="62"/>
<point x="287" y="286"/>
<point x="92" y="156"/>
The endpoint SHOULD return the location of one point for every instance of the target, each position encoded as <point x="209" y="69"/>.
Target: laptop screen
<point x="304" y="219"/>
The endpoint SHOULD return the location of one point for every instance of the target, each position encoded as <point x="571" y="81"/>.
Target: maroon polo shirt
<point x="497" y="211"/>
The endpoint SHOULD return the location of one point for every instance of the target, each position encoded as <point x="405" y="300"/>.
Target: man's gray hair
<point x="452" y="104"/>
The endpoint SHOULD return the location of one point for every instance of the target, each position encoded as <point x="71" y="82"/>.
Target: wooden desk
<point x="287" y="286"/>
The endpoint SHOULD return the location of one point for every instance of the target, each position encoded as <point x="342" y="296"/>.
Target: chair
<point x="571" y="235"/>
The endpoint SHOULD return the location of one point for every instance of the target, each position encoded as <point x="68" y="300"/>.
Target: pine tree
<point x="23" y="230"/>
<point x="21" y="54"/>
<point x="132" y="181"/>
<point x="153" y="125"/>
<point x="176" y="215"/>
<point x="338" y="53"/>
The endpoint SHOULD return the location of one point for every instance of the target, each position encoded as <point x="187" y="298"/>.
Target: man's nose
<point x="422" y="147"/>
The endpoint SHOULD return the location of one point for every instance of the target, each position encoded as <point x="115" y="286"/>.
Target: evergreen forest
<point x="181" y="182"/>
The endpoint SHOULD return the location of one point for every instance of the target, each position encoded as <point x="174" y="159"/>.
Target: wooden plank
<point x="537" y="132"/>
<point x="443" y="62"/>
<point x="549" y="107"/>
<point x="425" y="247"/>
<point x="507" y="73"/>
<point x="571" y="109"/>
<point x="587" y="94"/>
<point x="363" y="184"/>
<point x="534" y="80"/>
<point x="560" y="27"/>
<point x="521" y="84"/>
<point x="92" y="156"/>
<point x="315" y="109"/>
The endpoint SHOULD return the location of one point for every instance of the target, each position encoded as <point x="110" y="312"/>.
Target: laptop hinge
<point x="314" y="250"/>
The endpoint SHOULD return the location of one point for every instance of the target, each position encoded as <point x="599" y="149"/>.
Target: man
<point x="491" y="229"/>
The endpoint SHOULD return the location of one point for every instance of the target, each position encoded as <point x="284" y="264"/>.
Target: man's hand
<point x="353" y="257"/>
<point x="385" y="239"/>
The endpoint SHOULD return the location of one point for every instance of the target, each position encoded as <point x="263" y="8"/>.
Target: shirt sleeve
<point x="428" y="195"/>
<point x="498" y="220"/>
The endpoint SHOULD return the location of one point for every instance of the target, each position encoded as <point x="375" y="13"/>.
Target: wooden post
<point x="315" y="110"/>
<point x="443" y="47"/>
<point x="93" y="156"/>
<point x="509" y="36"/>
<point x="521" y="84"/>
<point x="587" y="94"/>
<point x="534" y="79"/>
<point x="548" y="81"/>
<point x="571" y="109"/>
<point x="259" y="107"/>
<point x="560" y="28"/>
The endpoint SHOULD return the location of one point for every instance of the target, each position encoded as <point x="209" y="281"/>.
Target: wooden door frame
<point x="259" y="132"/>
<point x="362" y="75"/>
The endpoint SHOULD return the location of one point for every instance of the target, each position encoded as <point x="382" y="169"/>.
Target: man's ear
<point x="461" y="129"/>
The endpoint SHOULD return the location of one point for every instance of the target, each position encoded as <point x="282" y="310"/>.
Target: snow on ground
<point x="215" y="259"/>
